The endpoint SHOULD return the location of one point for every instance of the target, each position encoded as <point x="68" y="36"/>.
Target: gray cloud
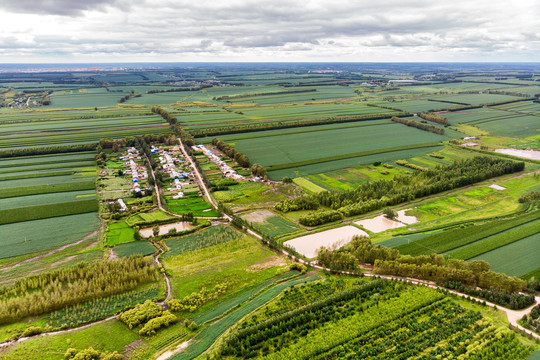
<point x="61" y="7"/>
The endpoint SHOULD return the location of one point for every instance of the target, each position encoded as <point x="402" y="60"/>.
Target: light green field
<point x="42" y="199"/>
<point x="196" y="205"/>
<point x="242" y="263"/>
<point x="110" y="336"/>
<point x="308" y="186"/>
<point x="119" y="233"/>
<point x="134" y="248"/>
<point x="45" y="234"/>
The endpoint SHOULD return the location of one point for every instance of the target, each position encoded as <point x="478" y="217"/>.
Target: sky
<point x="71" y="31"/>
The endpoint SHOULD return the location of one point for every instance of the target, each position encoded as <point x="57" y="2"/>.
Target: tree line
<point x="376" y="195"/>
<point x="193" y="88"/>
<point x="125" y="98"/>
<point x="455" y="274"/>
<point x="232" y="152"/>
<point x="433" y="118"/>
<point x="413" y="123"/>
<point x="47" y="150"/>
<point x="262" y="126"/>
<point x="239" y="96"/>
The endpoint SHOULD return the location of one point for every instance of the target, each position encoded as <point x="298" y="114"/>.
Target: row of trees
<point x="413" y="123"/>
<point x="382" y="193"/>
<point x="125" y="98"/>
<point x="239" y="96"/>
<point x="457" y="274"/>
<point x="232" y="152"/>
<point x="43" y="293"/>
<point x="171" y="119"/>
<point x="320" y="217"/>
<point x="434" y="118"/>
<point x="195" y="300"/>
<point x="47" y="150"/>
<point x="184" y="136"/>
<point x="193" y="88"/>
<point x="261" y="126"/>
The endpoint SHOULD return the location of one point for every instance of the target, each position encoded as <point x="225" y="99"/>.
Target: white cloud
<point x="337" y="30"/>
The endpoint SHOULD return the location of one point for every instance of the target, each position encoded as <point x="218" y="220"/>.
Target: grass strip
<point x="47" y="211"/>
<point x="36" y="175"/>
<point x="349" y="155"/>
<point x="496" y="241"/>
<point x="209" y="334"/>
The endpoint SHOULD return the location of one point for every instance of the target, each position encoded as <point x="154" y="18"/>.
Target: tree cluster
<point x="195" y="300"/>
<point x="231" y="152"/>
<point x="193" y="88"/>
<point x="433" y="118"/>
<point x="171" y="119"/>
<point x="140" y="314"/>
<point x="259" y="170"/>
<point x="91" y="354"/>
<point x="413" y="123"/>
<point x="320" y="217"/>
<point x="125" y="98"/>
<point x="184" y="136"/>
<point x="43" y="293"/>
<point x="359" y="250"/>
<point x="382" y="193"/>
<point x="532" y="321"/>
<point x="530" y="197"/>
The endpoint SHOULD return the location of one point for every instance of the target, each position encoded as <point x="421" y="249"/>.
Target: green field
<point x="515" y="259"/>
<point x="269" y="224"/>
<point x="46" y="234"/>
<point x="143" y="248"/>
<point x="35" y="212"/>
<point x="119" y="233"/>
<point x="42" y="199"/>
<point x="196" y="205"/>
<point x="242" y="263"/>
<point x="202" y="239"/>
<point x="314" y="146"/>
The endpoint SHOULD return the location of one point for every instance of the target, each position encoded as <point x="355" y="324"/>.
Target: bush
<point x="140" y="314"/>
<point x="156" y="323"/>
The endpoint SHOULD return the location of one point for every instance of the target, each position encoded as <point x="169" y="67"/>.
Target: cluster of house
<point x="168" y="163"/>
<point x="225" y="169"/>
<point x="137" y="171"/>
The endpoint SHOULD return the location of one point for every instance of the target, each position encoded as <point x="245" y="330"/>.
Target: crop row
<point x="205" y="238"/>
<point x="47" y="211"/>
<point x="451" y="239"/>
<point x="342" y="330"/>
<point x="46" y="189"/>
<point x="99" y="308"/>
<point x="496" y="241"/>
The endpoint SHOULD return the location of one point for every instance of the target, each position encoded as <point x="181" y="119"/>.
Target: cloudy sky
<point x="259" y="30"/>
